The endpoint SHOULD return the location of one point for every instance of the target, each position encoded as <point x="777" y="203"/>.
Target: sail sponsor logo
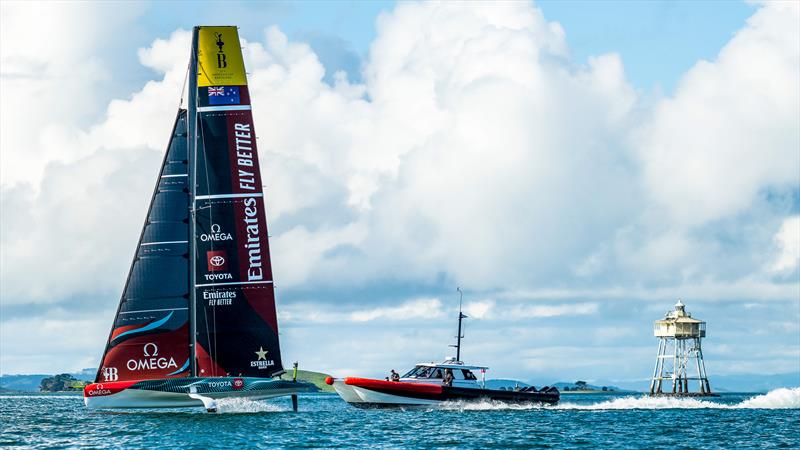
<point x="218" y="276"/>
<point x="243" y="140"/>
<point x="253" y="245"/>
<point x="151" y="360"/>
<point x="110" y="374"/>
<point x="216" y="234"/>
<point x="246" y="179"/>
<point x="262" y="362"/>
<point x="217" y="260"/>
<point x="99" y="389"/>
<point x="219" y="298"/>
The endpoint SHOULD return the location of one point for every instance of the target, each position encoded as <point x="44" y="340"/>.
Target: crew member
<point x="448" y="377"/>
<point x="394" y="376"/>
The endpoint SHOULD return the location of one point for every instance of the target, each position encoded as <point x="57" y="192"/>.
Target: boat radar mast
<point x="460" y="317"/>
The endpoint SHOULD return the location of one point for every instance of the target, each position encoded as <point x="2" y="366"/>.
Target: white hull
<point x="181" y="393"/>
<point x="347" y="393"/>
<point x="155" y="399"/>
<point x="380" y="398"/>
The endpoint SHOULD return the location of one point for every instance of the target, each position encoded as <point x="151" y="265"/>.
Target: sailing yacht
<point x="197" y="319"/>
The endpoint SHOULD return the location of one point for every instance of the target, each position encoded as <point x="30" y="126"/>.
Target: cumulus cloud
<point x="52" y="74"/>
<point x="730" y="131"/>
<point x="415" y="309"/>
<point x="516" y="311"/>
<point x="788" y="242"/>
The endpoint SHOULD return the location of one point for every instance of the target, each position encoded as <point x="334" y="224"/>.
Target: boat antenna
<point x="460" y="316"/>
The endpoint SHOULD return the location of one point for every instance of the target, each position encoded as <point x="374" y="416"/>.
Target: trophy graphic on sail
<point x="197" y="320"/>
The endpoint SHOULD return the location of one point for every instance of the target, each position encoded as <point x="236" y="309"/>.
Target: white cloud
<point x="517" y="311"/>
<point x="731" y="129"/>
<point x="418" y="309"/>
<point x="51" y="77"/>
<point x="788" y="241"/>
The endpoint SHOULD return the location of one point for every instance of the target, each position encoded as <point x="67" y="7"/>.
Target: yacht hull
<point x="186" y="392"/>
<point x="369" y="393"/>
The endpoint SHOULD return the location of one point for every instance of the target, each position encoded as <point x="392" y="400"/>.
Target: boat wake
<point x="783" y="398"/>
<point x="246" y="406"/>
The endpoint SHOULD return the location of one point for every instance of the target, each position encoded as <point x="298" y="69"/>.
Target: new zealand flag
<point x="223" y="95"/>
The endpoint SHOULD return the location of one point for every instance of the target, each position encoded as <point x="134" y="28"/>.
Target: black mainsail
<point x="201" y="281"/>
<point x="150" y="336"/>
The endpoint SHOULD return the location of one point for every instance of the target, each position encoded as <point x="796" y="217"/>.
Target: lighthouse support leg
<point x="656" y="373"/>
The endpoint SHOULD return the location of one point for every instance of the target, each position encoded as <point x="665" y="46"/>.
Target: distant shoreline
<point x="591" y="392"/>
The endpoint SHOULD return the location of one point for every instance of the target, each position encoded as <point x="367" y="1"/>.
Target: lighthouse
<point x="680" y="355"/>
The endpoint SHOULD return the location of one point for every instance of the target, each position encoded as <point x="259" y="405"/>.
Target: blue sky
<point x="574" y="166"/>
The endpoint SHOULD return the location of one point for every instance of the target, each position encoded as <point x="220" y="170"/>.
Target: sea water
<point x="736" y="421"/>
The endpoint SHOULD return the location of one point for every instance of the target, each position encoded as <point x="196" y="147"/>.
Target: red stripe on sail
<point x="149" y="357"/>
<point x="206" y="366"/>
<point x="120" y="330"/>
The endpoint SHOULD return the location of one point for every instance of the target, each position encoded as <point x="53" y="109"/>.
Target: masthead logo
<point x="221" y="62"/>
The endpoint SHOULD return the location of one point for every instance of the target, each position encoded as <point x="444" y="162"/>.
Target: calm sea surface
<point x="591" y="421"/>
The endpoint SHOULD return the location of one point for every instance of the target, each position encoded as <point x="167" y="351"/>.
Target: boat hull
<point x="369" y="393"/>
<point x="186" y="392"/>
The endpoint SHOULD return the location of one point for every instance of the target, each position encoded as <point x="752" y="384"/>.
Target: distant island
<point x="63" y="382"/>
<point x="582" y="387"/>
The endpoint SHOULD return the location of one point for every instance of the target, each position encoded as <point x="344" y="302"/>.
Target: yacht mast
<point x="191" y="122"/>
<point x="460" y="316"/>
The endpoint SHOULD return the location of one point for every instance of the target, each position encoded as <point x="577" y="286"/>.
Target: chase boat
<point x="433" y="383"/>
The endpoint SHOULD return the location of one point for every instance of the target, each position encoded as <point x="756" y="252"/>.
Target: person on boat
<point x="394" y="376"/>
<point x="448" y="377"/>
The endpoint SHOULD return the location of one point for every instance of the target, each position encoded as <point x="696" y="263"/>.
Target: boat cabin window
<point x="468" y="375"/>
<point x="436" y="374"/>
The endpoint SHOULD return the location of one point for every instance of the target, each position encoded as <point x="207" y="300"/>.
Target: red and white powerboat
<point x="433" y="383"/>
<point x="425" y="385"/>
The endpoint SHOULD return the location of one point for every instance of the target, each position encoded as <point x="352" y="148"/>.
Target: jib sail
<point x="150" y="335"/>
<point x="234" y="303"/>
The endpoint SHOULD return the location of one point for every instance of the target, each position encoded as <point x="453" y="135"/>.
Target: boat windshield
<point x="416" y="372"/>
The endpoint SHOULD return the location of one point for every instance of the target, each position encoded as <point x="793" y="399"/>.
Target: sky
<point x="575" y="167"/>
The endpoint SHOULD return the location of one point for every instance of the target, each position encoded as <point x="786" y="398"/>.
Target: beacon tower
<point x="680" y="355"/>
